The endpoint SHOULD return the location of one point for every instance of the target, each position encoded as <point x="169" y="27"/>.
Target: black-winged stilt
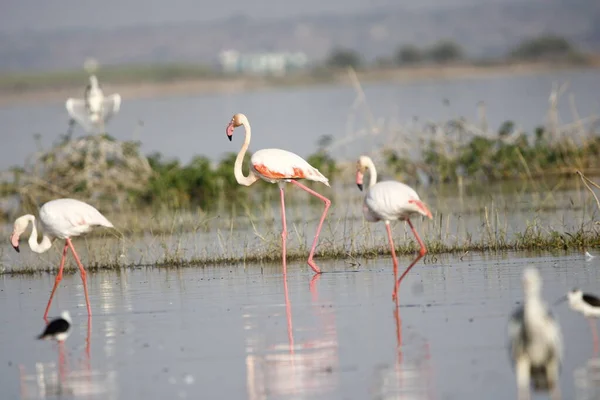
<point x="535" y="341"/>
<point x="58" y="329"/>
<point x="586" y="304"/>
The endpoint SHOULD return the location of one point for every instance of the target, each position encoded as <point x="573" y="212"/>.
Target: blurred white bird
<point x="94" y="110"/>
<point x="535" y="341"/>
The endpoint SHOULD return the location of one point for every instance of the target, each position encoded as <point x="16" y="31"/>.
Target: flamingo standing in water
<point x="63" y="219"/>
<point x="389" y="201"/>
<point x="278" y="166"/>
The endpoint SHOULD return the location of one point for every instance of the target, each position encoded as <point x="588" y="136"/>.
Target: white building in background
<point x="232" y="61"/>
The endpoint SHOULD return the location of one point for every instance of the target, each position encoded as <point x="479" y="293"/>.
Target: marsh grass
<point x="565" y="221"/>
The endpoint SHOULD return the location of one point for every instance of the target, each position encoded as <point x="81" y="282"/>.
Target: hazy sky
<point x="43" y="15"/>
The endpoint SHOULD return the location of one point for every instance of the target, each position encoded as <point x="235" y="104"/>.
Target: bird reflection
<point x="306" y="368"/>
<point x="49" y="381"/>
<point x="409" y="377"/>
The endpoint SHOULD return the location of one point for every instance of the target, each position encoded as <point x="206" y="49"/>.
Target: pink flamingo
<point x="390" y="201"/>
<point x="278" y="166"/>
<point x="63" y="219"/>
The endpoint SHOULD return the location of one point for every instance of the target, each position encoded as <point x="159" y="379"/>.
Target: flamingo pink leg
<point x="422" y="252"/>
<point x="83" y="276"/>
<point x="57" y="281"/>
<point x="284" y="232"/>
<point x="393" y="250"/>
<point x="316" y="240"/>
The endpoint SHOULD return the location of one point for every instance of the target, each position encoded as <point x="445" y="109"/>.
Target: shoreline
<point x="207" y="86"/>
<point x="578" y="241"/>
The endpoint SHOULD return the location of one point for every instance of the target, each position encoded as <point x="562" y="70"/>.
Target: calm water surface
<point x="239" y="332"/>
<point x="294" y="118"/>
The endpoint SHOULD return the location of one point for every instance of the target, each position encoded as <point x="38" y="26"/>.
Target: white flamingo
<point x="389" y="201"/>
<point x="63" y="219"/>
<point x="94" y="110"/>
<point x="278" y="166"/>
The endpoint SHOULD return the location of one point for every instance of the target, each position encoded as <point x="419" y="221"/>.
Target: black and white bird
<point x="535" y="341"/>
<point x="58" y="329"/>
<point x="586" y="304"/>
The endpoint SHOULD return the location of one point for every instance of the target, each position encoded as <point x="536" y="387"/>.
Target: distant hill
<point x="485" y="30"/>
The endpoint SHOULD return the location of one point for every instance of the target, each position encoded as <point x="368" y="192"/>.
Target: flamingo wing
<point x="274" y="165"/>
<point x="69" y="217"/>
<point x="389" y="200"/>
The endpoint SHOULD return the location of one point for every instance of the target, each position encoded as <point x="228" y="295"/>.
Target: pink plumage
<point x="63" y="219"/>
<point x="390" y="201"/>
<point x="278" y="166"/>
<point x="274" y="165"/>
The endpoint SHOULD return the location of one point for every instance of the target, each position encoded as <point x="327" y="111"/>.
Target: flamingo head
<point x="237" y="120"/>
<point x="361" y="167"/>
<point x="19" y="227"/>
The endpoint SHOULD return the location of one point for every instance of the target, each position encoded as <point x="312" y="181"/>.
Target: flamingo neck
<point x="239" y="160"/>
<point x="46" y="242"/>
<point x="372" y="172"/>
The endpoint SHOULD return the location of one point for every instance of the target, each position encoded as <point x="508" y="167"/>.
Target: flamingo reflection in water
<point x="50" y="381"/>
<point x="306" y="368"/>
<point x="408" y="378"/>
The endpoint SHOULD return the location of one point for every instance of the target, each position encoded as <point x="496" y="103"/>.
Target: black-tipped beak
<point x="562" y="299"/>
<point x="359" y="186"/>
<point x="229" y="137"/>
<point x="17" y="248"/>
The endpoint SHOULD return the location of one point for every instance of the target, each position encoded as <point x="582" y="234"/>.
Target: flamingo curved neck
<point x="372" y="172"/>
<point x="44" y="245"/>
<point x="239" y="160"/>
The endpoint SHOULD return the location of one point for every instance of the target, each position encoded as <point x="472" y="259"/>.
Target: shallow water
<point x="231" y="332"/>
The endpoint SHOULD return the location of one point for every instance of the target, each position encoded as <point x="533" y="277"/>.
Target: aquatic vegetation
<point x="506" y="223"/>
<point x="509" y="155"/>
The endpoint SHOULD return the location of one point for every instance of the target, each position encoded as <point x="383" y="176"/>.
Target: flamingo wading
<point x="389" y="201"/>
<point x="278" y="166"/>
<point x="63" y="219"/>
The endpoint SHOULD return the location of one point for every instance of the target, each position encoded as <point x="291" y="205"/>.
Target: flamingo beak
<point x="229" y="130"/>
<point x="14" y="241"/>
<point x="359" y="180"/>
